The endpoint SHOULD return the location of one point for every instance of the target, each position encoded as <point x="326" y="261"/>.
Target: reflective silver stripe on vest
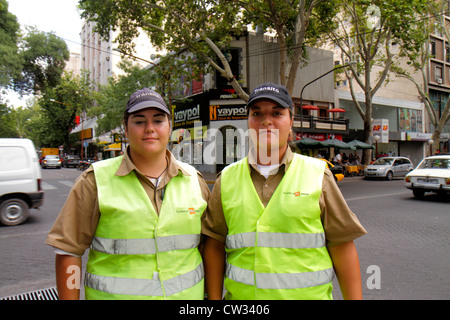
<point x="276" y="240"/>
<point x="144" y="287"/>
<point x="280" y="280"/>
<point x="145" y="246"/>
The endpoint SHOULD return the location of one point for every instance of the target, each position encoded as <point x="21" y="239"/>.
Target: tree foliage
<point x="296" y="24"/>
<point x="44" y="56"/>
<point x="10" y="61"/>
<point x="365" y="34"/>
<point x="60" y="105"/>
<point x="205" y="28"/>
<point x="7" y="123"/>
<point x="113" y="97"/>
<point x="199" y="27"/>
<point x="419" y="60"/>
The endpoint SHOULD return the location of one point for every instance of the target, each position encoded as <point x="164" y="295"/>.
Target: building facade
<point x="101" y="60"/>
<point x="210" y="126"/>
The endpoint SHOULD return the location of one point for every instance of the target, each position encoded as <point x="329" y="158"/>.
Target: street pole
<point x="320" y="77"/>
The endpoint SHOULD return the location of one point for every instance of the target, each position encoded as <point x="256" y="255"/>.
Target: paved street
<point x="407" y="239"/>
<point x="405" y="254"/>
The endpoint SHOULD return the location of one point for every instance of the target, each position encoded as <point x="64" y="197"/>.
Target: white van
<point x="20" y="180"/>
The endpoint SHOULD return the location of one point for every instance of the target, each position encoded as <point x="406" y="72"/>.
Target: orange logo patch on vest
<point x="187" y="210"/>
<point x="296" y="194"/>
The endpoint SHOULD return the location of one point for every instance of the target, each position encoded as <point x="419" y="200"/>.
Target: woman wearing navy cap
<point x="140" y="215"/>
<point x="277" y="225"/>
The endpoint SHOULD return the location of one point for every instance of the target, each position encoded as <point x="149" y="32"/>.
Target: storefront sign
<point x="227" y="112"/>
<point x="187" y="115"/>
<point x="380" y="127"/>
<point x="318" y="136"/>
<point x="415" y="136"/>
<point x="223" y="94"/>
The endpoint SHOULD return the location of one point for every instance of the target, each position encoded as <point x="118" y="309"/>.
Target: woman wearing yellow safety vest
<point x="278" y="219"/>
<point x="139" y="213"/>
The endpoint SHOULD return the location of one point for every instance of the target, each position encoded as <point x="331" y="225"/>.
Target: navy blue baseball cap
<point x="146" y="98"/>
<point x="271" y="91"/>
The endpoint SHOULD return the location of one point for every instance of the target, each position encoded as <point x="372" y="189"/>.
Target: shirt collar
<point x="173" y="169"/>
<point x="285" y="161"/>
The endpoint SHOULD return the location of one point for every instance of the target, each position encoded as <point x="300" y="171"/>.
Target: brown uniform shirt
<point x="77" y="222"/>
<point x="340" y="224"/>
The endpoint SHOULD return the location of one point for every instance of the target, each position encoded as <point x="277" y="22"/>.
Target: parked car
<point x="51" y="161"/>
<point x="20" y="180"/>
<point x="336" y="169"/>
<point x="431" y="175"/>
<point x="388" y="168"/>
<point x="71" y="161"/>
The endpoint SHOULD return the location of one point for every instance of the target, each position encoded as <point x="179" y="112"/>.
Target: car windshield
<point x="383" y="161"/>
<point x="435" y="164"/>
<point x="51" y="157"/>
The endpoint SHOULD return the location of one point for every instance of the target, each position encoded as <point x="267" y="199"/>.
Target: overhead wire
<point x="264" y="51"/>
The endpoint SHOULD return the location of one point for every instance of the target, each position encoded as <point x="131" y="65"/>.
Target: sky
<point x="60" y="16"/>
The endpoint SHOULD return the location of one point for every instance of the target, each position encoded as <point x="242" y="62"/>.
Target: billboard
<point x="380" y="127"/>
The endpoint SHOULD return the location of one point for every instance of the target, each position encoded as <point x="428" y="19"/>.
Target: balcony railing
<point x="321" y="124"/>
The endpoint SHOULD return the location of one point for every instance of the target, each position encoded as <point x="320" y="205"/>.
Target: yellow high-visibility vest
<point x="278" y="251"/>
<point x="136" y="254"/>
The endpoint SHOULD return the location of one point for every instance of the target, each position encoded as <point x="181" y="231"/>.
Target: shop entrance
<point x="226" y="147"/>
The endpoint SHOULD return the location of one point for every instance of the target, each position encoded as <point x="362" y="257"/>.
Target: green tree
<point x="419" y="61"/>
<point x="44" y="58"/>
<point x="296" y="23"/>
<point x="10" y="61"/>
<point x="113" y="97"/>
<point x="205" y="28"/>
<point x="60" y="106"/>
<point x="7" y="128"/>
<point x="202" y="28"/>
<point x="365" y="33"/>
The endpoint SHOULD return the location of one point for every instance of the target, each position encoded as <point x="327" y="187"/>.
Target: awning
<point x="307" y="143"/>
<point x="337" y="144"/>
<point x="360" y="145"/>
<point x="310" y="107"/>
<point x="336" y="110"/>
<point x="114" y="147"/>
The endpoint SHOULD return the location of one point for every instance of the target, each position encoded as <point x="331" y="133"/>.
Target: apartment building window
<point x="438" y="74"/>
<point x="447" y="54"/>
<point x="433" y="48"/>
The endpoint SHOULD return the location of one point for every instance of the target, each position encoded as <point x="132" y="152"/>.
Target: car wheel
<point x="13" y="212"/>
<point x="389" y="176"/>
<point x="418" y="194"/>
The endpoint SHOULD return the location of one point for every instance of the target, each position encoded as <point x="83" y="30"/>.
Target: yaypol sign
<point x="227" y="112"/>
<point x="186" y="117"/>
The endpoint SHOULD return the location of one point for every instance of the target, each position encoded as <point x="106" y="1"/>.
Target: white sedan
<point x="431" y="175"/>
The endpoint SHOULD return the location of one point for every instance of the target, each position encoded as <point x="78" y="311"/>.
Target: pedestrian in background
<point x="278" y="218"/>
<point x="141" y="215"/>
